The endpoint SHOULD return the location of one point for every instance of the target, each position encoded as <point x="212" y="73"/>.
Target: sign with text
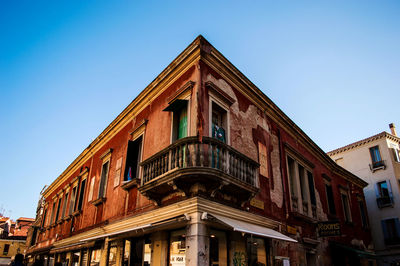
<point x="329" y="228"/>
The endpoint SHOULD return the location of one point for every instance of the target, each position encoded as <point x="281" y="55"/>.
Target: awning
<point x="117" y="232"/>
<point x="70" y="247"/>
<point x="253" y="229"/>
<point x="176" y="105"/>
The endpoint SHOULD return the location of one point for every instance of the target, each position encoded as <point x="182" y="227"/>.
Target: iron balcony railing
<point x="384" y="202"/>
<point x="377" y="165"/>
<point x="189" y="152"/>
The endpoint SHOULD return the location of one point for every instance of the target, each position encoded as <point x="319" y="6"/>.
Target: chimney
<point x="393" y="129"/>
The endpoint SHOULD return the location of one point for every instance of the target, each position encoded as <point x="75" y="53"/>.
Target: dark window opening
<point x="81" y="194"/>
<point x="214" y="250"/>
<point x="64" y="209"/>
<point x="364" y="219"/>
<point x="34" y="235"/>
<point x="330" y="199"/>
<point x="376" y="157"/>
<point x="311" y="188"/>
<point x="391" y="231"/>
<point x="72" y="201"/>
<point x="219" y="122"/>
<point x="346" y="207"/>
<point x="133" y="159"/>
<point x="103" y="179"/>
<point x="53" y="212"/>
<point x="6" y="248"/>
<point x="44" y="218"/>
<point x="58" y="209"/>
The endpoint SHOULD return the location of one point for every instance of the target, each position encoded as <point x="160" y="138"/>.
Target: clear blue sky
<point x="67" y="69"/>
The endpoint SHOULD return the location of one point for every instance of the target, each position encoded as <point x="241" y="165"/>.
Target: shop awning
<point x="75" y="246"/>
<point x="117" y="232"/>
<point x="176" y="105"/>
<point x="253" y="229"/>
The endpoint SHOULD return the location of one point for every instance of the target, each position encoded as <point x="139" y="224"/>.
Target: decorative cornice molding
<point x="356" y="144"/>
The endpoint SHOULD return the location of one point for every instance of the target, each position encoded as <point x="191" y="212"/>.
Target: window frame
<point x="80" y="197"/>
<point x="174" y="122"/>
<point x="72" y="199"/>
<point x="106" y="158"/>
<point x="301" y="187"/>
<point x="213" y="98"/>
<point x="328" y="183"/>
<point x="140" y="158"/>
<point x="346" y="213"/>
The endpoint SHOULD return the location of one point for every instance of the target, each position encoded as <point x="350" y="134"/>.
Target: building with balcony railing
<point x="376" y="160"/>
<point x="201" y="169"/>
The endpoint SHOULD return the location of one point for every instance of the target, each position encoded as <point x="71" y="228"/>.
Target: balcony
<point x="209" y="168"/>
<point x="384" y="202"/>
<point x="377" y="165"/>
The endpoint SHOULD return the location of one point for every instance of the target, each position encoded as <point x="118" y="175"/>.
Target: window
<point x="391" y="231"/>
<point x="6" y="249"/>
<point x="330" y="199"/>
<point x="53" y="212"/>
<point x="346" y="205"/>
<point x="103" y="179"/>
<point x="65" y="204"/>
<point x="91" y="188"/>
<point x="302" y="190"/>
<point x="177" y="248"/>
<point x="44" y="218"/>
<point x="112" y="255"/>
<point x="384" y="196"/>
<point x="133" y="158"/>
<point x="58" y="209"/>
<point x="396" y="155"/>
<point x="81" y="194"/>
<point x="218" y="122"/>
<point x="34" y="235"/>
<point x="72" y="200"/>
<point x="179" y="109"/>
<point x="376" y="158"/>
<point x="95" y="257"/>
<point x="363" y="213"/>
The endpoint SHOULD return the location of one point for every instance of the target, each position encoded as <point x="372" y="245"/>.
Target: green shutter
<point x="182" y="127"/>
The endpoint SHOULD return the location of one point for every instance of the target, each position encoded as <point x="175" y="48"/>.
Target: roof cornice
<point x="214" y="59"/>
<point x="356" y="144"/>
<point x="201" y="49"/>
<point x="184" y="60"/>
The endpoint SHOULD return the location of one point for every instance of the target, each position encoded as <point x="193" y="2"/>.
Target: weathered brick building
<point x="202" y="169"/>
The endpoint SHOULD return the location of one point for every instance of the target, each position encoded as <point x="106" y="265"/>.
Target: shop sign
<point x="330" y="228"/>
<point x="257" y="203"/>
<point x="291" y="230"/>
<point x="176" y="260"/>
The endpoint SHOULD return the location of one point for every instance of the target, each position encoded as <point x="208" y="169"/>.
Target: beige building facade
<point x="377" y="161"/>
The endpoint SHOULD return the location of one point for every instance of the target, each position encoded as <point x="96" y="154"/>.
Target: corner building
<point x="201" y="169"/>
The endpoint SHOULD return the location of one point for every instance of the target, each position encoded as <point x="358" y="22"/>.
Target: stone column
<point x="197" y="241"/>
<point x="104" y="253"/>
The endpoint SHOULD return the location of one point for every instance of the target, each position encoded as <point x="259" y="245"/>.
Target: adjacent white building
<point x="377" y="161"/>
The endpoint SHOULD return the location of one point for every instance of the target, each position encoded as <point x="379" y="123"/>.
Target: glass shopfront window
<point x="218" y="248"/>
<point x="257" y="252"/>
<point x="137" y="252"/>
<point x="177" y="248"/>
<point x="75" y="258"/>
<point x="112" y="256"/>
<point x="95" y="257"/>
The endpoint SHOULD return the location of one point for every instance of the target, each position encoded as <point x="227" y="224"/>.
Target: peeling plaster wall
<point x="277" y="191"/>
<point x="241" y="122"/>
